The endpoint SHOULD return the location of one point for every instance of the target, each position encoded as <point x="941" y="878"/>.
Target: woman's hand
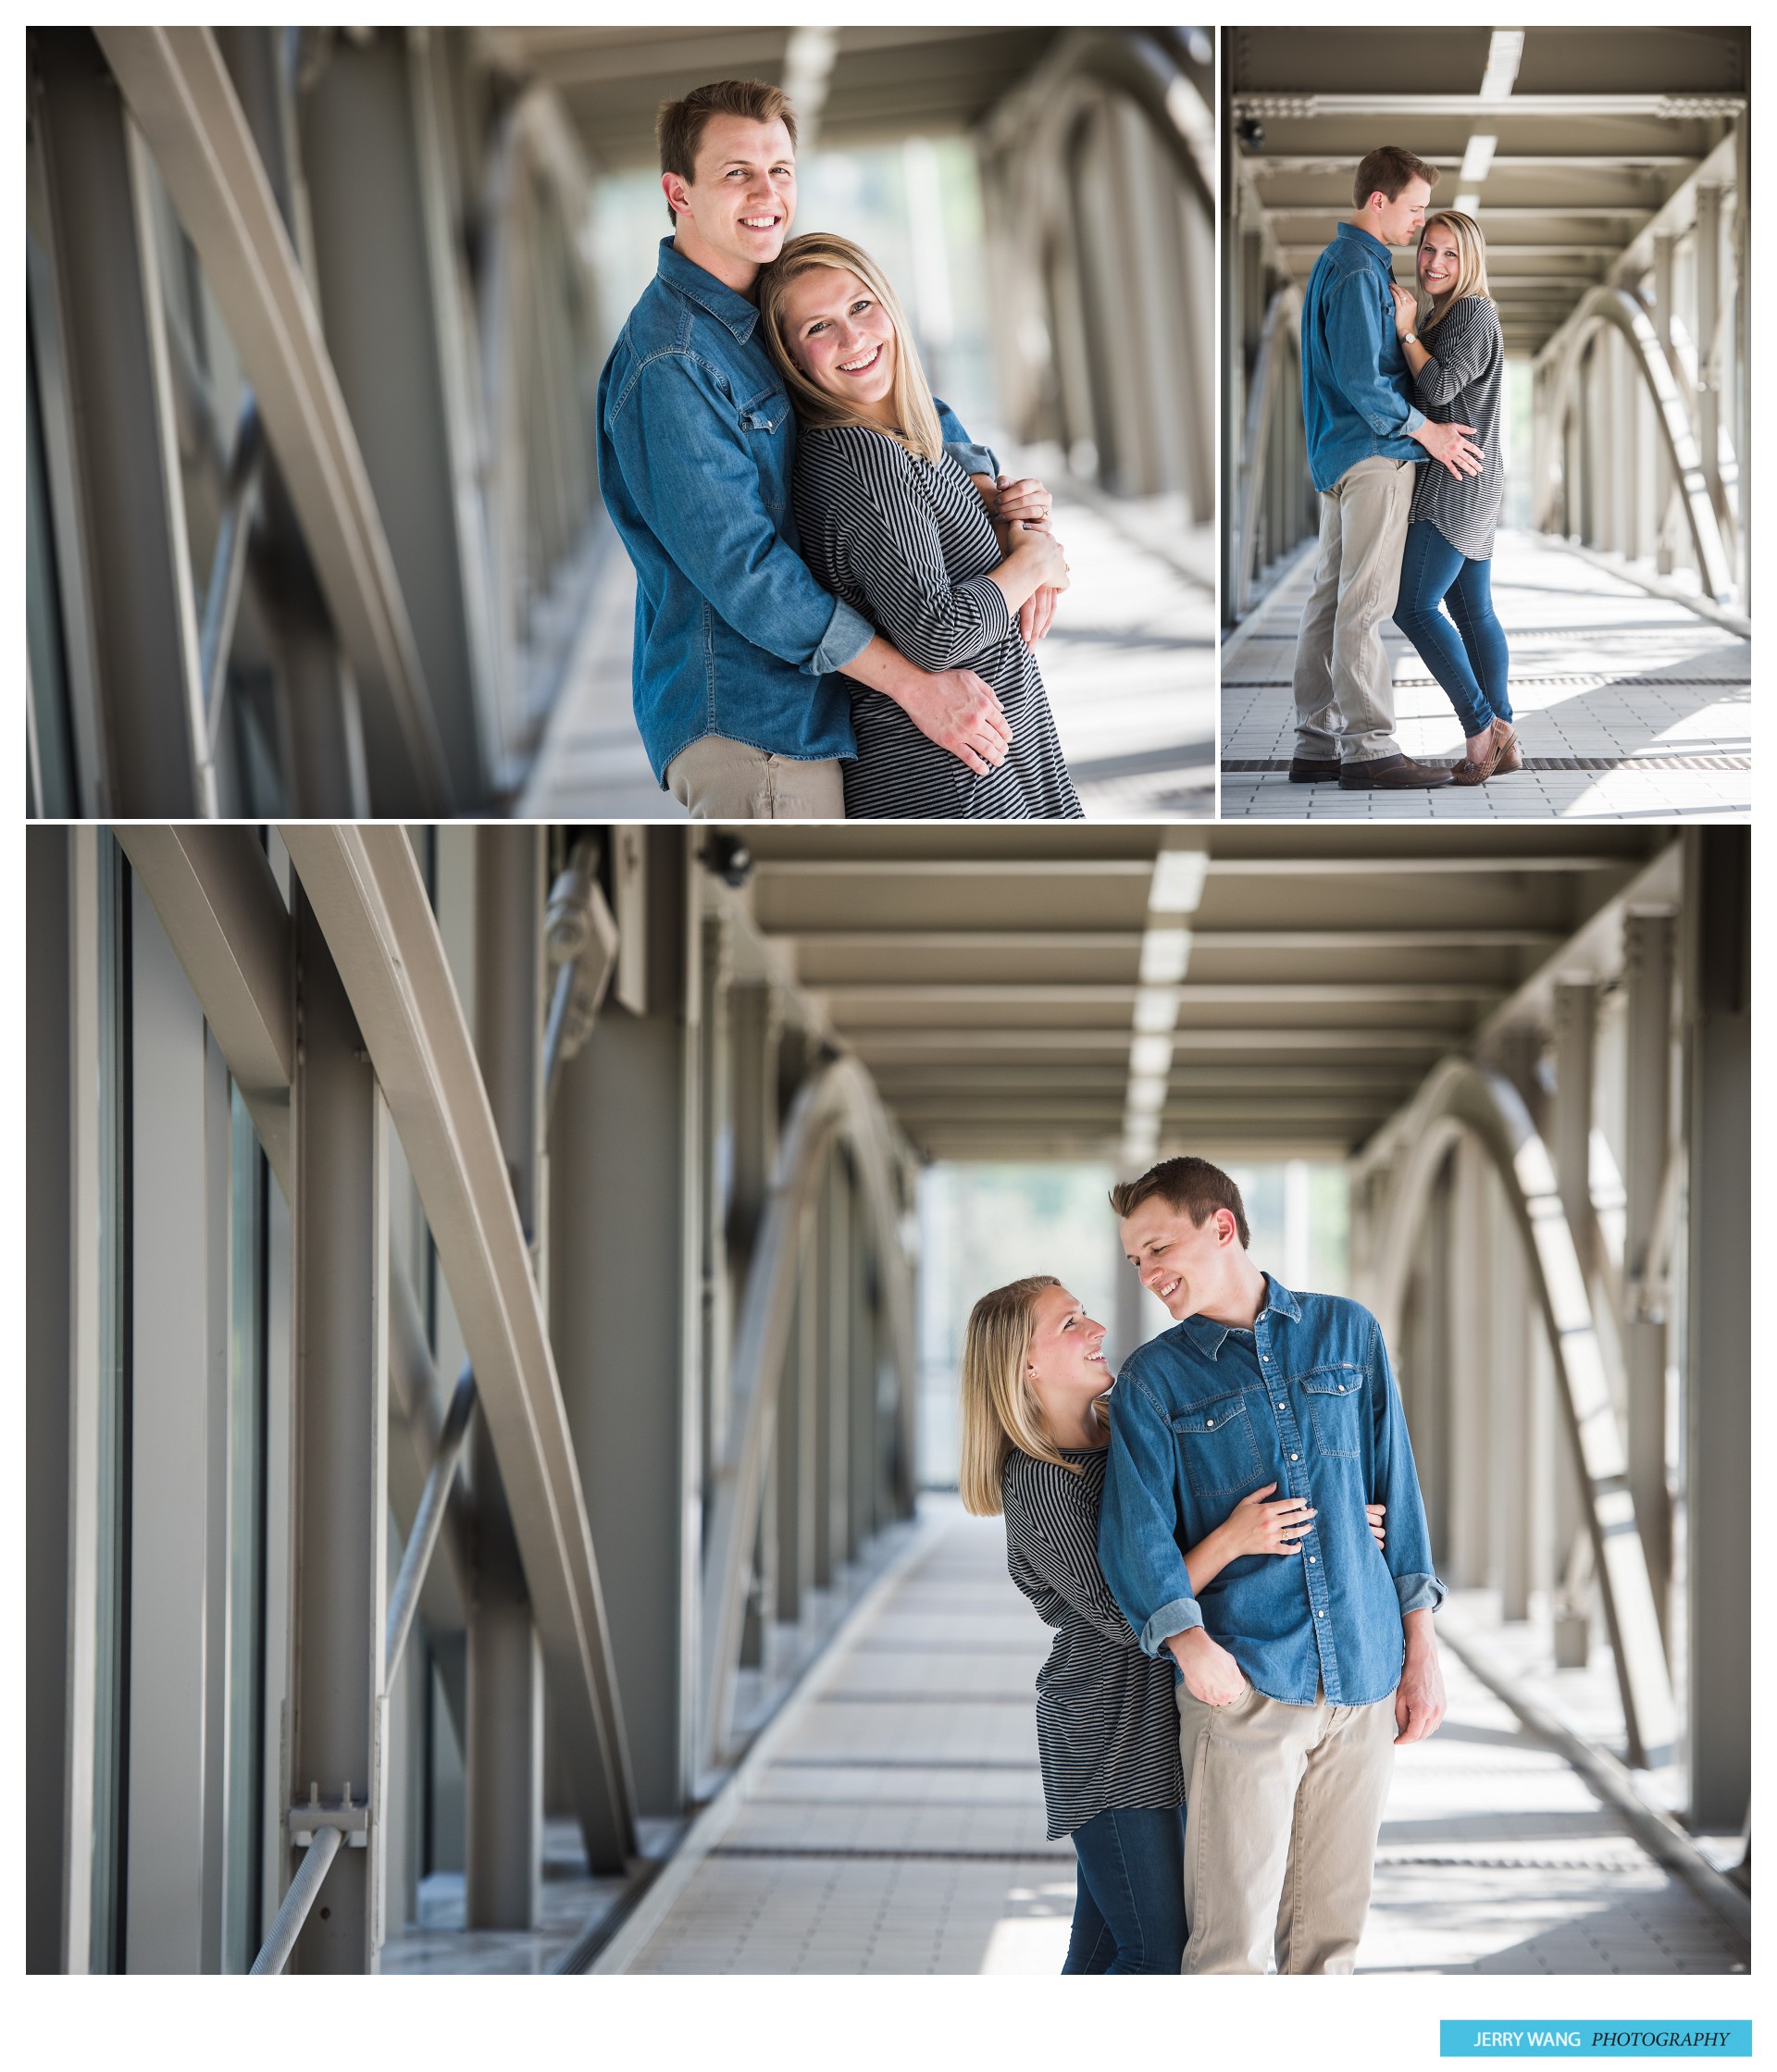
<point x="1038" y="557"/>
<point x="1256" y="1527"/>
<point x="1023" y="502"/>
<point x="1372" y="1513"/>
<point x="1406" y="309"/>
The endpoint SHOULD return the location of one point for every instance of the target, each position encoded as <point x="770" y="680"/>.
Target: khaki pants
<point x="1283" y="1809"/>
<point x="719" y="779"/>
<point x="1341" y="664"/>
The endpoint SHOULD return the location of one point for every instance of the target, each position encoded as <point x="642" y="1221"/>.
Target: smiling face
<point x="1399" y="222"/>
<point x="735" y="212"/>
<point x="842" y="339"/>
<point x="1065" y="1365"/>
<point x="1191" y="1266"/>
<point x="1440" y="260"/>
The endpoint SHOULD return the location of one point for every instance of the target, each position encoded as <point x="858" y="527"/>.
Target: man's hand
<point x="1037" y="614"/>
<point x="1419" y="1700"/>
<point x="1452" y="444"/>
<point x="1212" y="1674"/>
<point x="959" y="712"/>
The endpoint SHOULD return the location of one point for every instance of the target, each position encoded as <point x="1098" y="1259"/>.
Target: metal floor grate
<point x="1591" y="680"/>
<point x="1278" y="765"/>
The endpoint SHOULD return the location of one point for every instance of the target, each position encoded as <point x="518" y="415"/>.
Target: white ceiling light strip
<point x="1505" y="52"/>
<point x="1175" y="892"/>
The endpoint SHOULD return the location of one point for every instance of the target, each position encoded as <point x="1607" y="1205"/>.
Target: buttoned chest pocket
<point x="1220" y="1448"/>
<point x="764" y="421"/>
<point x="1336" y="1397"/>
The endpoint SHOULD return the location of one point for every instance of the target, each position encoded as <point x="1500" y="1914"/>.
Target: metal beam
<point x="337" y="1747"/>
<point x="184" y="101"/>
<point x="1647" y="1155"/>
<point x="366" y="890"/>
<point x="1555" y="107"/>
<point x="131" y="582"/>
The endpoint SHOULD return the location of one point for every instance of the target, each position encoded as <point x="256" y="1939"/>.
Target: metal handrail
<point x="228" y="571"/>
<point x="317" y="1862"/>
<point x="429" y="1517"/>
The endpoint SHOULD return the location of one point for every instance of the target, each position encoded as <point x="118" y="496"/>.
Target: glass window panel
<point x="247" y="1369"/>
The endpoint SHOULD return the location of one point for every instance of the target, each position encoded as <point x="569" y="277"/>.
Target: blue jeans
<point x="1471" y="668"/>
<point x="1129" y="1902"/>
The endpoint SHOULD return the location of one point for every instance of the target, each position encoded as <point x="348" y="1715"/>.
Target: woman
<point x="1033" y="1438"/>
<point x="1457" y="358"/>
<point x="891" y="524"/>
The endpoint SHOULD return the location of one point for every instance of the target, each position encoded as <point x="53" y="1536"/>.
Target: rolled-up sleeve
<point x="972" y="459"/>
<point x="1409" y="1549"/>
<point x="695" y="482"/>
<point x="1354" y="337"/>
<point x="1138" y="1521"/>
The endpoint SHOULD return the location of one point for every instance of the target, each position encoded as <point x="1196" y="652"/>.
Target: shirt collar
<point x="1372" y="246"/>
<point x="1210" y="1337"/>
<point x="734" y="312"/>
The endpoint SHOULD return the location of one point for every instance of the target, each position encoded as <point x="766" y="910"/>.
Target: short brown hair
<point x="680" y="126"/>
<point x="1386" y="170"/>
<point x="1193" y="1184"/>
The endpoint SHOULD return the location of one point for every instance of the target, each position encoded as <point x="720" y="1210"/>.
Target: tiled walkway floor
<point x="1129" y="666"/>
<point x="899" y="1825"/>
<point x="1627" y="706"/>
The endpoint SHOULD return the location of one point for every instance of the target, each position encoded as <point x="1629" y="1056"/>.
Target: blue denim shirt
<point x="1356" y="399"/>
<point x="697" y="444"/>
<point x="1206" y="1413"/>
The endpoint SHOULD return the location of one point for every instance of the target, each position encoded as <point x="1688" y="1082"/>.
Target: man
<point x="735" y="640"/>
<point x="1364" y="437"/>
<point x="1300" y="1673"/>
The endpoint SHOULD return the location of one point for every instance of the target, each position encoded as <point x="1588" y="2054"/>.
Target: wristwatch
<point x="1410" y="338"/>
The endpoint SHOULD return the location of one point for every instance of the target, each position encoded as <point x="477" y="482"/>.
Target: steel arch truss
<point x="837" y="1107"/>
<point x="1461" y="1098"/>
<point x="1616" y="309"/>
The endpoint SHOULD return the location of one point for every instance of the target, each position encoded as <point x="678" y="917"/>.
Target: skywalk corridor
<point x="897" y="1824"/>
<point x="325" y="310"/>
<point x="1612" y="197"/>
<point x="493" y="1310"/>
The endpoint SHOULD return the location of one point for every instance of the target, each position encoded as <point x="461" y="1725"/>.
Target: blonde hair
<point x="999" y="1408"/>
<point x="915" y="419"/>
<point x="1471" y="267"/>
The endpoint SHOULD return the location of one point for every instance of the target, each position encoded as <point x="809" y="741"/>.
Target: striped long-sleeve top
<point x="1107" y="1722"/>
<point x="1461" y="384"/>
<point x="909" y="544"/>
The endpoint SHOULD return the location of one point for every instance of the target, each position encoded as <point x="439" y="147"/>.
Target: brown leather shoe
<point x="1311" y="769"/>
<point x="1468" y="771"/>
<point x="1511" y="756"/>
<point x="1392" y="773"/>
